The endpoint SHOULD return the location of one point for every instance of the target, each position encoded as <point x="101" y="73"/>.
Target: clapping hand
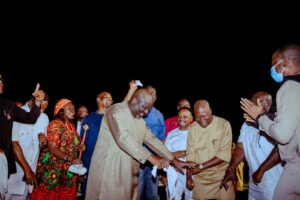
<point x="251" y="110"/>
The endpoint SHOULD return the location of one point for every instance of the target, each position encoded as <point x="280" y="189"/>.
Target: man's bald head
<point x="292" y="52"/>
<point x="142" y="94"/>
<point x="203" y="113"/>
<point x="202" y="105"/>
<point x="141" y="103"/>
<point x="183" y="103"/>
<point x="289" y="55"/>
<point x="152" y="91"/>
<point x="104" y="101"/>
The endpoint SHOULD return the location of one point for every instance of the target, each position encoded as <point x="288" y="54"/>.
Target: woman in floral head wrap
<point x="54" y="179"/>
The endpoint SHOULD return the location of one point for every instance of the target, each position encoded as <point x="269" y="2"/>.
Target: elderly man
<point x="119" y="152"/>
<point x="209" y="145"/>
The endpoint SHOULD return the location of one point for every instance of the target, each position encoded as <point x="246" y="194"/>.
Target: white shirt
<point x="177" y="141"/>
<point x="27" y="136"/>
<point x="257" y="148"/>
<point x="79" y="125"/>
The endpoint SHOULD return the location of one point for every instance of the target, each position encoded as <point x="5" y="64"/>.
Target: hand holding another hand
<point x="191" y="164"/>
<point x="158" y="161"/>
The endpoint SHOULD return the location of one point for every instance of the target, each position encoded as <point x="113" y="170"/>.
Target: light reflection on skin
<point x="69" y="111"/>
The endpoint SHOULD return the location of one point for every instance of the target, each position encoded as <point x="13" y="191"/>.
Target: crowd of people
<point x="128" y="147"/>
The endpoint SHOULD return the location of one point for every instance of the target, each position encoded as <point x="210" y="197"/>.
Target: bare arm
<point x="132" y="89"/>
<point x="272" y="160"/>
<point x="189" y="179"/>
<point x="237" y="157"/>
<point x="20" y="158"/>
<point x="210" y="163"/>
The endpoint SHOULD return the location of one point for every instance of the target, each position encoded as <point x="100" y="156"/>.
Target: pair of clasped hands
<point x="178" y="164"/>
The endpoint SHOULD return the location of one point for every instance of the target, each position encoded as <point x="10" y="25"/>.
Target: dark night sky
<point x="230" y="64"/>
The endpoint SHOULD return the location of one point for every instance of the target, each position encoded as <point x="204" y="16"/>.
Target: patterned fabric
<point x="52" y="173"/>
<point x="60" y="104"/>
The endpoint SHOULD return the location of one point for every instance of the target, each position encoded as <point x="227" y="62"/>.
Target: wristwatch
<point x="201" y="166"/>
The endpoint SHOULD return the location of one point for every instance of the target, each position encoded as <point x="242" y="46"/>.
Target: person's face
<point x="266" y="102"/>
<point x="184" y="119"/>
<point x="107" y="100"/>
<point x="44" y="105"/>
<point x="152" y="91"/>
<point x="203" y="116"/>
<point x="183" y="103"/>
<point x="142" y="108"/>
<point x="82" y="112"/>
<point x="1" y="87"/>
<point x="69" y="111"/>
<point x="277" y="61"/>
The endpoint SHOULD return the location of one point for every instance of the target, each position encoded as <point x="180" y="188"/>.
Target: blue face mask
<point x="278" y="77"/>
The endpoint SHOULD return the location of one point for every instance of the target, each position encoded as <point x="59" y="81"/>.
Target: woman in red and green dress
<point x="54" y="179"/>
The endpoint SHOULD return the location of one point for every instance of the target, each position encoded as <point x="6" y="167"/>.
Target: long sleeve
<point x="157" y="146"/>
<point x="123" y="136"/>
<point x="26" y="117"/>
<point x="288" y="114"/>
<point x="155" y="121"/>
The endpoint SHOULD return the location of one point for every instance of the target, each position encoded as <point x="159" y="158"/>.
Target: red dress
<point x="54" y="179"/>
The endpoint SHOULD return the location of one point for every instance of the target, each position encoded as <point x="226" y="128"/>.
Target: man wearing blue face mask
<point x="278" y="77"/>
<point x="285" y="128"/>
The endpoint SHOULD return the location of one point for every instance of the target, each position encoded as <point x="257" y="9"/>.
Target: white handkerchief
<point x="154" y="171"/>
<point x="78" y="169"/>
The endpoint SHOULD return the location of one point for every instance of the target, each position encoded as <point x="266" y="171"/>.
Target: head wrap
<point x="60" y="104"/>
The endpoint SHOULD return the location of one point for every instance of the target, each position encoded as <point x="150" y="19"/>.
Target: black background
<point x="77" y="60"/>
